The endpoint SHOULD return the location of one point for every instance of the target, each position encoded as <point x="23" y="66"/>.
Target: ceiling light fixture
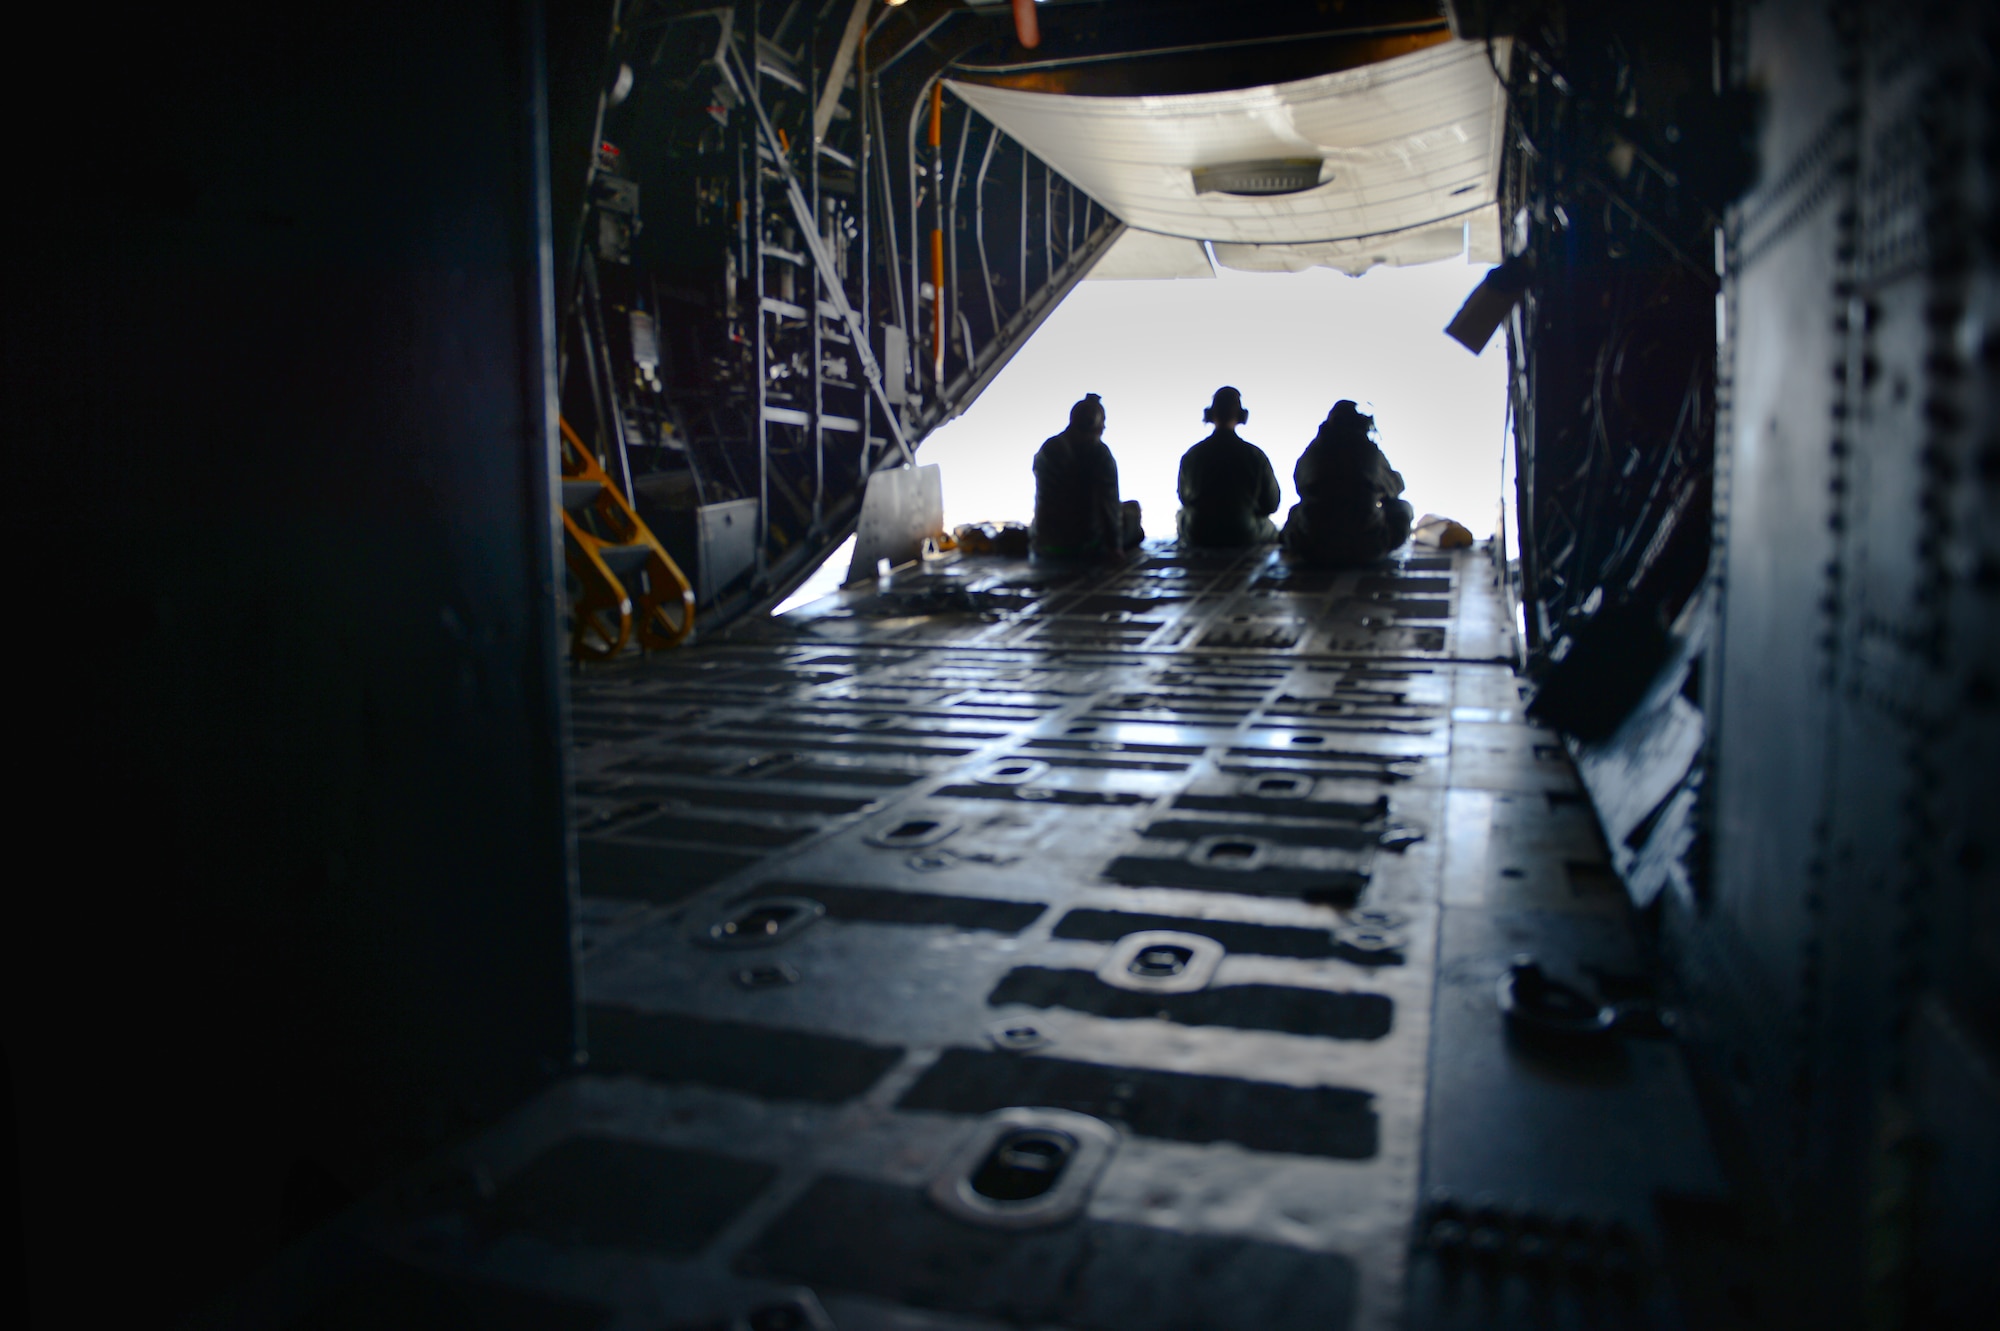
<point x="1282" y="175"/>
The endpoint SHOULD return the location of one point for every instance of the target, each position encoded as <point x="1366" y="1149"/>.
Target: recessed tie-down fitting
<point x="1025" y="1168"/>
<point x="761" y="922"/>
<point x="912" y="833"/>
<point x="1161" y="961"/>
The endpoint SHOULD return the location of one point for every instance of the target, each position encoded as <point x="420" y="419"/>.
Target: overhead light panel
<point x="1279" y="175"/>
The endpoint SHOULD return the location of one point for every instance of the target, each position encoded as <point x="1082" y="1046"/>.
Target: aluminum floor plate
<point x="858" y="889"/>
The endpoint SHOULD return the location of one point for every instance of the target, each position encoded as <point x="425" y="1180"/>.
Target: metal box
<point x="725" y="546"/>
<point x="715" y="544"/>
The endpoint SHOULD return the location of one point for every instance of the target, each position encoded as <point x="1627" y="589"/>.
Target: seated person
<point x="1228" y="490"/>
<point x="1077" y="513"/>
<point x="1348" y="511"/>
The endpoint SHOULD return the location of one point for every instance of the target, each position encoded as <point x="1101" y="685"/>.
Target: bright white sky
<point x="1294" y="343"/>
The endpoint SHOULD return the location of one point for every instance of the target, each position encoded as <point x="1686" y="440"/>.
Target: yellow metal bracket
<point x="613" y="560"/>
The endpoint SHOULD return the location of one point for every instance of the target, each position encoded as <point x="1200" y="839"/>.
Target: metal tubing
<point x="888" y="204"/>
<point x="755" y="80"/>
<point x="824" y="262"/>
<point x="864" y="130"/>
<point x="918" y="112"/>
<point x="573" y="288"/>
<point x="819" y="279"/>
<point x="937" y="301"/>
<point x="1049" y="222"/>
<point x="592" y="369"/>
<point x="951" y="223"/>
<point x="672" y="406"/>
<point x="937" y="228"/>
<point x="938" y="206"/>
<point x="1069" y="220"/>
<point x="600" y="356"/>
<point x="919" y="40"/>
<point x="742" y="215"/>
<point x="979" y="229"/>
<point x="850" y="43"/>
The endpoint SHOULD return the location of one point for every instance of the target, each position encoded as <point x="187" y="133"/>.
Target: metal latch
<point x="912" y="833"/>
<point x="761" y="922"/>
<point x="1557" y="1017"/>
<point x="1025" y="1168"/>
<point x="1228" y="852"/>
<point x="1371" y="938"/>
<point x="1161" y="961"/>
<point x="1011" y="772"/>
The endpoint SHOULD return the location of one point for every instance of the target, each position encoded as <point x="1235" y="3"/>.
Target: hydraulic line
<point x="936" y="139"/>
<point x="937" y="302"/>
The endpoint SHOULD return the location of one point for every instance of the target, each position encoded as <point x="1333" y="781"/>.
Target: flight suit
<point x="1348" y="510"/>
<point x="1228" y="492"/>
<point x="1077" y="513"/>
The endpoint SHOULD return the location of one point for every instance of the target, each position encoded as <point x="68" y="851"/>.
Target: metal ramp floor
<point x="1113" y="950"/>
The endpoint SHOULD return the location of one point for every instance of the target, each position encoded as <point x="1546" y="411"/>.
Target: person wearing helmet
<point x="1227" y="488"/>
<point x="1077" y="512"/>
<point x="1348" y="510"/>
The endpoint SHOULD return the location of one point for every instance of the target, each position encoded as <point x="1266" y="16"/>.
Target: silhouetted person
<point x="1348" y="511"/>
<point x="1077" y="513"/>
<point x="1228" y="490"/>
